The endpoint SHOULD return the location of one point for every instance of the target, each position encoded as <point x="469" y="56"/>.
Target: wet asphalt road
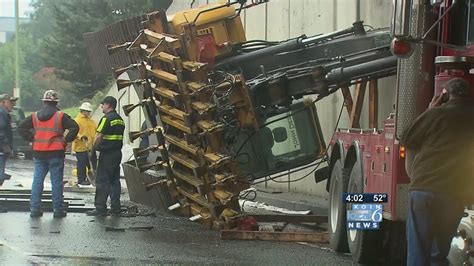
<point x="82" y="240"/>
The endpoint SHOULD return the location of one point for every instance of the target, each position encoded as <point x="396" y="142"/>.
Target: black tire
<point x="337" y="209"/>
<point x="365" y="245"/>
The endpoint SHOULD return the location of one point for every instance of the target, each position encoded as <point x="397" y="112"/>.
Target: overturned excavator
<point x="223" y="111"/>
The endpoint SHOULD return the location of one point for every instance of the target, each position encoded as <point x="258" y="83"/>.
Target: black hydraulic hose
<point x="290" y="45"/>
<point x="343" y="74"/>
<point x="357" y="27"/>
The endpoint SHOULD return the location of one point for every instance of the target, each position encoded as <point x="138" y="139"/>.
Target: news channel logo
<point x="364" y="217"/>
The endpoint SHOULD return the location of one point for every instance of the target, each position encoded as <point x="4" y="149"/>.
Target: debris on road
<point x="131" y="228"/>
<point x="274" y="227"/>
<point x="275" y="236"/>
<point x="141" y="228"/>
<point x="114" y="229"/>
<point x="261" y="205"/>
<point x="19" y="200"/>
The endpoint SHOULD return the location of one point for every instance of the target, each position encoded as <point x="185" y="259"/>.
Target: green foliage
<point x="31" y="91"/>
<point x="64" y="47"/>
<point x="52" y="51"/>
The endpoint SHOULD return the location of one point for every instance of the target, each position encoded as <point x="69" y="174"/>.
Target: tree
<point x="64" y="47"/>
<point x="30" y="90"/>
<point x="52" y="52"/>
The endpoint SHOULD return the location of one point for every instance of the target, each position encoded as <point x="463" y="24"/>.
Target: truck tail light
<point x="401" y="48"/>
<point x="402" y="153"/>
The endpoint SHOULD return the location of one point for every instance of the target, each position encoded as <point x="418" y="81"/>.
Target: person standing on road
<point x="49" y="145"/>
<point x="6" y="135"/>
<point x="108" y="141"/>
<point x="82" y="145"/>
<point x="441" y="172"/>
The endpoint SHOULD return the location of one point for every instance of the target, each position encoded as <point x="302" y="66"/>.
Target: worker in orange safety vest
<point x="49" y="146"/>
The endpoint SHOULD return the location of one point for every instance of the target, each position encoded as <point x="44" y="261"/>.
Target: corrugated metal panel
<point x="117" y="33"/>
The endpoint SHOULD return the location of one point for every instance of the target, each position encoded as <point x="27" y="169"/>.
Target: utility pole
<point x="16" y="90"/>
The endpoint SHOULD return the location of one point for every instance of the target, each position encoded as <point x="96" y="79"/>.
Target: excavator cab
<point x="284" y="141"/>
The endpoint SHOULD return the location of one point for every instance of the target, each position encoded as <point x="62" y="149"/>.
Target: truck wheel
<point x="364" y="245"/>
<point x="337" y="209"/>
<point x="460" y="242"/>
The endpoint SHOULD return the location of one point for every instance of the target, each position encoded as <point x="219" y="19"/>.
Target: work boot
<point x="36" y="213"/>
<point x="115" y="213"/>
<point x="60" y="213"/>
<point x="85" y="183"/>
<point x="96" y="212"/>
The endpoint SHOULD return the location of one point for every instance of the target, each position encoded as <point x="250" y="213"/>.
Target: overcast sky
<point x="7" y="8"/>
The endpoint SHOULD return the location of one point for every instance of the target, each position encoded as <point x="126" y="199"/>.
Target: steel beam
<point x="20" y="191"/>
<point x="27" y="196"/>
<point x="25" y="208"/>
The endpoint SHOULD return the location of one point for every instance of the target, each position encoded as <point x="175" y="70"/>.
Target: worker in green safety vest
<point x="108" y="142"/>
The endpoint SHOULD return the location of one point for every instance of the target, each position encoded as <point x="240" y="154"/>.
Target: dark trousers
<point x="3" y="161"/>
<point x="83" y="164"/>
<point x="108" y="180"/>
<point x="432" y="221"/>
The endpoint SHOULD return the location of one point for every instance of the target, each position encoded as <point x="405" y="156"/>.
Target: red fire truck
<point x="434" y="42"/>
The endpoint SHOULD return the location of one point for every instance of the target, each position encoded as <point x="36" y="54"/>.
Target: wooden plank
<point x="209" y="125"/>
<point x="293" y="218"/>
<point x="196" y="198"/>
<point x="202" y="107"/>
<point x="167" y="58"/>
<point x="195" y="86"/>
<point x="157" y="37"/>
<point x="176" y="123"/>
<point x="172" y="111"/>
<point x="165" y="92"/>
<point x="275" y="236"/>
<point x="346" y="93"/>
<point x="163" y="75"/>
<point x="373" y="104"/>
<point x="182" y="144"/>
<point x="357" y="107"/>
<point x="184" y="160"/>
<point x="189" y="179"/>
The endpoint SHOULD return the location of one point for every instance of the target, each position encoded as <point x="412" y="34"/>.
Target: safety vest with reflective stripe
<point x="111" y="126"/>
<point x="115" y="122"/>
<point x="49" y="134"/>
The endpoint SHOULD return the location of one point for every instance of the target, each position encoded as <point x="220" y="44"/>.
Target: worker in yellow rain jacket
<point x="82" y="145"/>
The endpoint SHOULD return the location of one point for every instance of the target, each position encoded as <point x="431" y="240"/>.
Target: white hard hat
<point x="86" y="106"/>
<point x="50" y="96"/>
